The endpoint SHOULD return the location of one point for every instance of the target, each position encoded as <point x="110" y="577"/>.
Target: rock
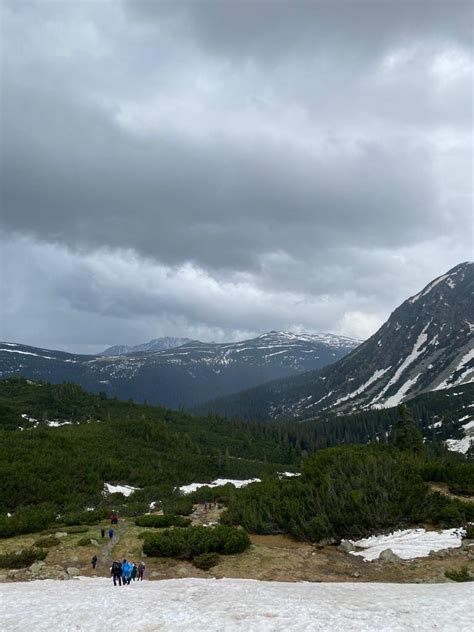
<point x="60" y="534"/>
<point x="443" y="554"/>
<point x="94" y="542"/>
<point x="73" y="571"/>
<point x="389" y="556"/>
<point x="356" y="574"/>
<point x="182" y="570"/>
<point x="346" y="546"/>
<point x="36" y="567"/>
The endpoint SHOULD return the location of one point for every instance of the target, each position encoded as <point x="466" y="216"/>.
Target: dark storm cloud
<point x="265" y="157"/>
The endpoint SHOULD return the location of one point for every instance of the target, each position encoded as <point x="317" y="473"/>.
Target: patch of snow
<point x="233" y="605"/>
<point x="126" y="490"/>
<point x="31" y="419"/>
<point x="376" y="376"/>
<point x="459" y="445"/>
<point x="57" y="424"/>
<point x="192" y="487"/>
<point x="27" y="353"/>
<point x="416" y="351"/>
<point x="393" y="400"/>
<point x="288" y="474"/>
<point x="408" y="544"/>
<point x="428" y="288"/>
<point x="448" y="382"/>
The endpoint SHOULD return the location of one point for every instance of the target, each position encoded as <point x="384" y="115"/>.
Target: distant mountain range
<point x="184" y="375"/>
<point x="426" y="344"/>
<point x="157" y="344"/>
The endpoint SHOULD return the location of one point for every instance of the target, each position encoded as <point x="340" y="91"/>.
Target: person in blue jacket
<point x="126" y="572"/>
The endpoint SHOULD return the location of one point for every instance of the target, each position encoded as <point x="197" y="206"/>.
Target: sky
<point x="219" y="169"/>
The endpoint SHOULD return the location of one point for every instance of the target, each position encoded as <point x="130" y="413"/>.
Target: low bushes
<point x="23" y="559"/>
<point x="84" y="542"/>
<point x="158" y="522"/>
<point x="469" y="531"/>
<point x="461" y="575"/>
<point x="76" y="529"/>
<point x="180" y="505"/>
<point x="205" y="561"/>
<point x="46" y="543"/>
<point x="191" y="542"/>
<point x="85" y="517"/>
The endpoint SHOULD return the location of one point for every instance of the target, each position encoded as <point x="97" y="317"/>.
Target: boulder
<point x="60" y="534"/>
<point x="94" y="542"/>
<point x="346" y="546"/>
<point x="36" y="567"/>
<point x="389" y="556"/>
<point x="72" y="571"/>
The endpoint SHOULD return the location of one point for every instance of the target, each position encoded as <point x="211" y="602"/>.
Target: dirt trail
<point x="105" y="556"/>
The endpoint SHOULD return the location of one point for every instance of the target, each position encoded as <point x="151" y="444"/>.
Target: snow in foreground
<point x="233" y="604"/>
<point x="409" y="543"/>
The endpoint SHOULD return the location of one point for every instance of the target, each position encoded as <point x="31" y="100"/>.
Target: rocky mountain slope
<point x="157" y="344"/>
<point x="182" y="376"/>
<point x="426" y="344"/>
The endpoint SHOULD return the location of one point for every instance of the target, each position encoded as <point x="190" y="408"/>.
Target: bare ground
<point x="276" y="558"/>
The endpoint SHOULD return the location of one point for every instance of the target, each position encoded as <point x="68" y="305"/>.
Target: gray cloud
<point x="286" y="165"/>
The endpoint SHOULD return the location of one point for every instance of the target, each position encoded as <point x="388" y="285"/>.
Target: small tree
<point x="406" y="435"/>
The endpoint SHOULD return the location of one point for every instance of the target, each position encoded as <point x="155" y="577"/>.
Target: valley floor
<point x="231" y="604"/>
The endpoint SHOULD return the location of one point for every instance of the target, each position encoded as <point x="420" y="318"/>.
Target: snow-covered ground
<point x="192" y="487"/>
<point x="409" y="543"/>
<point x="126" y="490"/>
<point x="226" y="605"/>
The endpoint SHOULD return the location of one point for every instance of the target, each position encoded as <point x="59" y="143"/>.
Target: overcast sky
<point x="219" y="169"/>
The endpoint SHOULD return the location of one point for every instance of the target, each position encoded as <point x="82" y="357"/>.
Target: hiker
<point x="134" y="571"/>
<point x="102" y="532"/>
<point x="116" y="572"/>
<point x="111" y="533"/>
<point x="141" y="571"/>
<point x="205" y="505"/>
<point x="126" y="572"/>
<point x="94" y="561"/>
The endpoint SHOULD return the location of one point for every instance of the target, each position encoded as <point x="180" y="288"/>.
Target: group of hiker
<point x="125" y="572"/>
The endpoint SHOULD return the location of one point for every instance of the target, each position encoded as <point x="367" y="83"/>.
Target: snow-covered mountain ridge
<point x="426" y="344"/>
<point x="183" y="375"/>
<point x="157" y="344"/>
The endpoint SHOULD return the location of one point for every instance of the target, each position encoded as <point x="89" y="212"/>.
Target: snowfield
<point x="233" y="604"/>
<point x="192" y="487"/>
<point x="408" y="543"/>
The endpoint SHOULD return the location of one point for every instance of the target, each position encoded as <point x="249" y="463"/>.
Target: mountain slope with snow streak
<point x="180" y="376"/>
<point x="234" y="605"/>
<point x="426" y="344"/>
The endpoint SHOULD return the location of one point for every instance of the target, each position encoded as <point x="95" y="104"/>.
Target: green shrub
<point x="47" y="543"/>
<point x="193" y="541"/>
<point x="342" y="492"/>
<point x="84" y="542"/>
<point x="469" y="531"/>
<point x="26" y="520"/>
<point x="205" y="561"/>
<point x="85" y="517"/>
<point x="23" y="559"/>
<point x="179" y="505"/>
<point x="462" y="575"/>
<point x="158" y="522"/>
<point x="450" y="512"/>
